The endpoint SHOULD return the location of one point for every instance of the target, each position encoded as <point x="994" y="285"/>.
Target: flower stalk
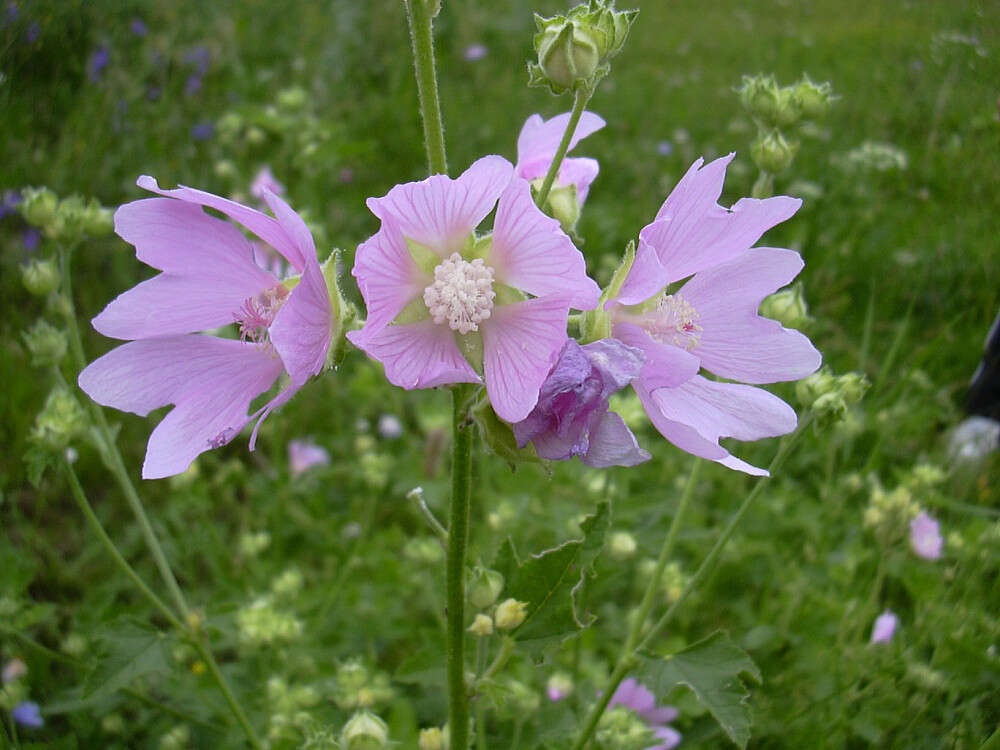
<point x="420" y="18"/>
<point x="580" y="99"/>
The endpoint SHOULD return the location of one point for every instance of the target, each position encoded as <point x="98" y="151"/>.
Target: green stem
<point x="764" y="186"/>
<point x="421" y="20"/>
<point x="206" y="656"/>
<point x="81" y="500"/>
<point x="580" y="100"/>
<point x="506" y="649"/>
<point x="458" y="537"/>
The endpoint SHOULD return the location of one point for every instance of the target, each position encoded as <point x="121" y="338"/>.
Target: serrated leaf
<point x="550" y="581"/>
<point x="132" y="652"/>
<point x="711" y="668"/>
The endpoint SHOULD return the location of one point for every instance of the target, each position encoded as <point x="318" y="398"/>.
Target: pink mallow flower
<point x="885" y="627"/>
<point x="448" y="306"/>
<point x="711" y="322"/>
<point x="925" y="537"/>
<point x="634" y="695"/>
<point x="537" y="145"/>
<point x="209" y="279"/>
<point x="305" y="454"/>
<point x="571" y="417"/>
<point x="264" y="181"/>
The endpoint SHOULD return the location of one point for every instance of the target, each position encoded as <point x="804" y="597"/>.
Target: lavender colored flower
<point x="192" y="85"/>
<point x="427" y="260"/>
<point x="571" y="417"/>
<point x="664" y="148"/>
<point x="711" y="322"/>
<point x="885" y="627"/>
<point x="209" y="279"/>
<point x="9" y="203"/>
<point x="925" y="537"/>
<point x="31" y="238"/>
<point x="202" y="131"/>
<point x="138" y="27"/>
<point x="200" y="57"/>
<point x="634" y="695"/>
<point x="475" y="52"/>
<point x="304" y="454"/>
<point x="537" y="145"/>
<point x="265" y="180"/>
<point x="11" y="12"/>
<point x="98" y="62"/>
<point x="389" y="427"/>
<point x="32" y="33"/>
<point x="28" y="714"/>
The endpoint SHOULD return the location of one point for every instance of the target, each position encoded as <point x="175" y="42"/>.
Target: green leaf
<point x="424" y="667"/>
<point x="711" y="668"/>
<point x="132" y="652"/>
<point x="550" y="582"/>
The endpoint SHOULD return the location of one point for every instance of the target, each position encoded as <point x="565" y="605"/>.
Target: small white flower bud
<point x="510" y="613"/>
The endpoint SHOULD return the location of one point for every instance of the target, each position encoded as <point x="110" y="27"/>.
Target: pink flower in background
<point x="446" y="306"/>
<point x="537" y="145"/>
<point x="634" y="695"/>
<point x="475" y="52"/>
<point x="925" y="537"/>
<point x="305" y="454"/>
<point x="711" y="322"/>
<point x="209" y="279"/>
<point x="885" y="627"/>
<point x="265" y="181"/>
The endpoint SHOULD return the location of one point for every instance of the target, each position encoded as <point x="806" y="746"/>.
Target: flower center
<point x="673" y="321"/>
<point x="462" y="293"/>
<point x="258" y="312"/>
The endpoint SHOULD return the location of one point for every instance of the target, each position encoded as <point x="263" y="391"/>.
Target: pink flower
<point x="208" y="279"/>
<point x="711" y="322"/>
<point x="634" y="695"/>
<point x="304" y="454"/>
<point x="265" y="181"/>
<point x="538" y="142"/>
<point x="925" y="537"/>
<point x="448" y="306"/>
<point x="885" y="627"/>
<point x="475" y="52"/>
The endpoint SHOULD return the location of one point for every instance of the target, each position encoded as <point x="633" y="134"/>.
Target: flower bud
<point x="365" y="731"/>
<point x="481" y="626"/>
<point x="432" y="738"/>
<point x="813" y="99"/>
<point x="292" y="98"/>
<point x="772" y="153"/>
<point x="760" y="96"/>
<point x="510" y="613"/>
<point x="567" y="55"/>
<point x="485" y="587"/>
<point x="61" y="420"/>
<point x="40" y="277"/>
<point x="39" y="206"/>
<point x="46" y="343"/>
<point x="788" y="307"/>
<point x="97" y="221"/>
<point x="621" y="545"/>
<point x="564" y="206"/>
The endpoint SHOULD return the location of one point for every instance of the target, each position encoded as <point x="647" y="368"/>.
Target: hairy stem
<point x="580" y="100"/>
<point x="420" y="19"/>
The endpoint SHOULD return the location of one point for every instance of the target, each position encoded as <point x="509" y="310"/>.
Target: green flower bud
<point x="178" y="738"/>
<point x="621" y="545"/>
<point x="61" y="421"/>
<point x="829" y="408"/>
<point x="760" y="96"/>
<point x="485" y="587"/>
<point x="481" y="626"/>
<point x="789" y="112"/>
<point x="567" y="55"/>
<point x="97" y="221"/>
<point x="819" y="383"/>
<point x="46" y="343"/>
<point x="788" y="307"/>
<point x="813" y="99"/>
<point x="292" y="98"/>
<point x="70" y="221"/>
<point x="564" y="206"/>
<point x="623" y="729"/>
<point x="40" y="277"/>
<point x="510" y="613"/>
<point x="772" y="153"/>
<point x="365" y="731"/>
<point x="38" y="206"/>
<point x="225" y="169"/>
<point x="853" y="386"/>
<point x="432" y="738"/>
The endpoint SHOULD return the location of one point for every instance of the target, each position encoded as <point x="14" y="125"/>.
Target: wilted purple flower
<point x="31" y="237"/>
<point x="13" y="670"/>
<point x="475" y="52"/>
<point x="27" y="714"/>
<point x="636" y="696"/>
<point x="200" y="57"/>
<point x="925" y="538"/>
<point x="265" y="180"/>
<point x="571" y="417"/>
<point x="304" y="454"/>
<point x="192" y="85"/>
<point x="98" y="61"/>
<point x="884" y="627"/>
<point x="389" y="426"/>
<point x="139" y="27"/>
<point x="202" y="131"/>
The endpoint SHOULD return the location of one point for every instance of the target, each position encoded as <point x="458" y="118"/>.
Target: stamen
<point x="462" y="293"/>
<point x="673" y="321"/>
<point x="257" y="313"/>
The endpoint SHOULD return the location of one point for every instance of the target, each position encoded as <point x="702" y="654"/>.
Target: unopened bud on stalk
<point x="510" y="613"/>
<point x="788" y="307"/>
<point x="481" y="626"/>
<point x="39" y="206"/>
<point x="40" y="277"/>
<point x="365" y="731"/>
<point x="621" y="545"/>
<point x="773" y="153"/>
<point x="813" y="99"/>
<point x="433" y="738"/>
<point x="61" y="420"/>
<point x="485" y="587"/>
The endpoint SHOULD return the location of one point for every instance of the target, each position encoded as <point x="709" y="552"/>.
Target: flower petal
<point x="698" y="190"/>
<point x="613" y="444"/>
<point x="417" y="355"/>
<point x="210" y="381"/>
<point x="387" y="275"/>
<point x="294" y="228"/>
<point x="666" y="365"/>
<point x="735" y="341"/>
<point x="262" y="225"/>
<point x="521" y="343"/>
<point x="440" y="212"/>
<point x="302" y="328"/>
<point x="646" y="278"/>
<point x="532" y="253"/>
<point x="580" y="172"/>
<point x="540" y="138"/>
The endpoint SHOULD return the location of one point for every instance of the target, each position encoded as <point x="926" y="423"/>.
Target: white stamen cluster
<point x="462" y="293"/>
<point x="674" y="321"/>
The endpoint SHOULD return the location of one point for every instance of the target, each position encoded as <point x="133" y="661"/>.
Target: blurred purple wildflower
<point x="664" y="148"/>
<point x="192" y="85"/>
<point x="27" y="714"/>
<point x="304" y="454"/>
<point x="31" y="238"/>
<point x="9" y="203"/>
<point x="200" y="57"/>
<point x="11" y="13"/>
<point x="202" y="131"/>
<point x="475" y="52"/>
<point x="885" y="627"/>
<point x="636" y="696"/>
<point x="138" y="27"/>
<point x="346" y="175"/>
<point x="571" y="417"/>
<point x="98" y="62"/>
<point x="389" y="426"/>
<point x="33" y="32"/>
<point x="925" y="537"/>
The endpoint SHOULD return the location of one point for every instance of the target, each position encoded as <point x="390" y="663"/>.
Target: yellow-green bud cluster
<point x="60" y="421"/>
<point x="433" y="738"/>
<point x="510" y="614"/>
<point x="262" y="624"/>
<point x="574" y="50"/>
<point x="889" y="513"/>
<point x="46" y="343"/>
<point x="364" y="731"/>
<point x="829" y="396"/>
<point x="355" y="686"/>
<point x="622" y="729"/>
<point x="68" y="219"/>
<point x="40" y="277"/>
<point x="178" y="738"/>
<point x="290" y="715"/>
<point x="788" y="307"/>
<point x="252" y="544"/>
<point x="288" y="583"/>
